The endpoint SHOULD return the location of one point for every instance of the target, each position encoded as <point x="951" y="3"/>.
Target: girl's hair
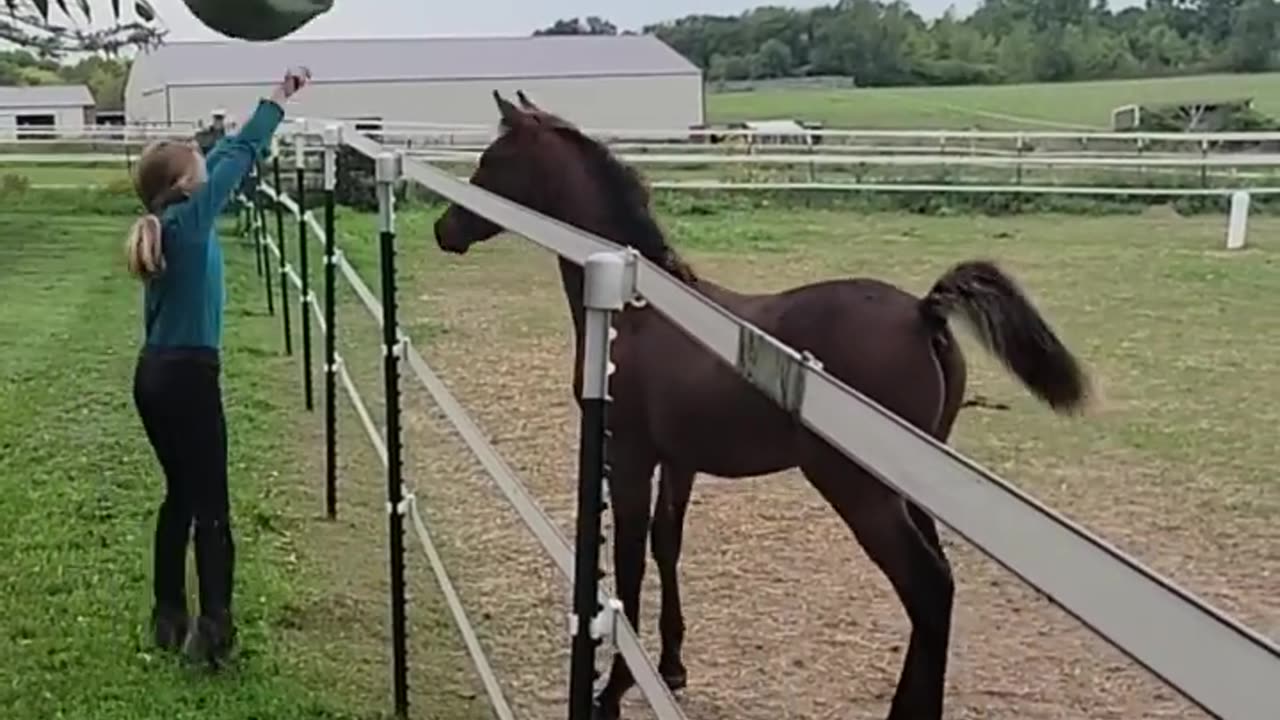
<point x="168" y="172"/>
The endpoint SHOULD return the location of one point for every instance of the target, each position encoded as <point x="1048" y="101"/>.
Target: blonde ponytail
<point x="144" y="254"/>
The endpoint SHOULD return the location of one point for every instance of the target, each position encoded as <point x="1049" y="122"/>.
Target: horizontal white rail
<point x="404" y="128"/>
<point x="1028" y="160"/>
<point x="699" y="149"/>
<point x="482" y="131"/>
<point x="547" y="533"/>
<point x="985" y="188"/>
<point x="487" y="676"/>
<point x="1221" y="665"/>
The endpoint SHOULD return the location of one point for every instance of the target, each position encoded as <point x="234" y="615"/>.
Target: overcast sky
<point x="356" y="18"/>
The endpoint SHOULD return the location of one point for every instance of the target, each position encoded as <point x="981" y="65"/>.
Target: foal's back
<point x="866" y="332"/>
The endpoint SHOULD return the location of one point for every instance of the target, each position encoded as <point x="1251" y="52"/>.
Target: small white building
<point x="599" y="82"/>
<point x="42" y="108"/>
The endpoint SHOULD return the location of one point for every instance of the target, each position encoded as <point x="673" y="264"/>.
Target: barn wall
<point x="640" y="102"/>
<point x="65" y="118"/>
<point x="146" y="107"/>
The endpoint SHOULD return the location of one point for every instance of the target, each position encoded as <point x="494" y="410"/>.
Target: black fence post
<point x="264" y="247"/>
<point x="604" y="292"/>
<point x="332" y="141"/>
<point x="284" y="255"/>
<point x="305" y="302"/>
<point x="388" y="171"/>
<point x="251" y="197"/>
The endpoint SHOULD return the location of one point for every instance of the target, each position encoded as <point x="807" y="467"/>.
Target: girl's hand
<point x="294" y="80"/>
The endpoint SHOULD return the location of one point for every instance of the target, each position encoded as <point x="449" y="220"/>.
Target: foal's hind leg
<point x="674" y="488"/>
<point x="928" y="528"/>
<point x="881" y="522"/>
<point x="630" y="478"/>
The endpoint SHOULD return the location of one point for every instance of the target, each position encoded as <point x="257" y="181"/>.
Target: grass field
<point x="1179" y="335"/>
<point x="1065" y="106"/>
<point x="67" y="175"/>
<point x="79" y="487"/>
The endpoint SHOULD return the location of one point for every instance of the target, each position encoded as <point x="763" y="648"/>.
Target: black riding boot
<point x="213" y="636"/>
<point x="169" y="613"/>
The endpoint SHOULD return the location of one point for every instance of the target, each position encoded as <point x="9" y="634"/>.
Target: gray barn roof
<point x="209" y="63"/>
<point x="45" y="96"/>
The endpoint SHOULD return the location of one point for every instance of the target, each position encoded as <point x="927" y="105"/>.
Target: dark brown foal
<point x="679" y="408"/>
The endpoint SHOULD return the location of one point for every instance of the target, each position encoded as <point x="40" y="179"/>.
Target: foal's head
<point x="543" y="162"/>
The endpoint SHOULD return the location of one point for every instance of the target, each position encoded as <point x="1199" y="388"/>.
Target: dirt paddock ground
<point x="786" y="616"/>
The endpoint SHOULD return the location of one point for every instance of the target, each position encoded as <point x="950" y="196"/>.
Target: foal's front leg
<point x="629" y="493"/>
<point x="674" y="488"/>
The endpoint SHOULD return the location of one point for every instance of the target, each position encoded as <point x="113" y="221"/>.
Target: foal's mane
<point x="627" y="195"/>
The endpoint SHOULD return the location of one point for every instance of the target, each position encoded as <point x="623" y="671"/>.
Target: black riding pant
<point x="179" y="398"/>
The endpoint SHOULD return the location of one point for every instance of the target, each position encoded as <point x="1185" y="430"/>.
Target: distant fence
<point x="830" y="161"/>
<point x="1217" y="663"/>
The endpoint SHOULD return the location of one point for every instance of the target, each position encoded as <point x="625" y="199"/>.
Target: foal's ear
<point x="525" y="102"/>
<point x="512" y="116"/>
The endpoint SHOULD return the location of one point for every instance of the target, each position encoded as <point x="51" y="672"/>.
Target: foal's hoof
<point x="676" y="679"/>
<point x="601" y="710"/>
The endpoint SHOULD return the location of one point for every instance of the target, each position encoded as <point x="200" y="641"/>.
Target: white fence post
<point x="1238" y="222"/>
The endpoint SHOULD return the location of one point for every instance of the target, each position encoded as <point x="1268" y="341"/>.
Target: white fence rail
<point x="1219" y="160"/>
<point x="501" y="708"/>
<point x="758" y="140"/>
<point x="879" y="161"/>
<point x="1226" y="668"/>
<point x="509" y="483"/>
<point x="480" y="132"/>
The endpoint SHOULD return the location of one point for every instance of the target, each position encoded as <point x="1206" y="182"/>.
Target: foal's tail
<point x="1011" y="328"/>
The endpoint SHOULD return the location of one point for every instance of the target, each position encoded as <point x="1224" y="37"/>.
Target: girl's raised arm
<point x="237" y="153"/>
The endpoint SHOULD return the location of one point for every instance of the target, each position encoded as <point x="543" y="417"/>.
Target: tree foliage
<point x="33" y="25"/>
<point x="886" y="43"/>
<point x="593" y="25"/>
<point x="105" y="76"/>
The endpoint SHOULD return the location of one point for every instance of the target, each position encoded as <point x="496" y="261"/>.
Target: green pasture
<point x="79" y="488"/>
<point x="63" y="174"/>
<point x="1049" y="106"/>
<point x="1179" y="334"/>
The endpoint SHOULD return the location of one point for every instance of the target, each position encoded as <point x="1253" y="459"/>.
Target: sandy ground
<point x="786" y="616"/>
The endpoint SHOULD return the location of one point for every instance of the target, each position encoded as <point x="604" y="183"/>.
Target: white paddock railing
<point x="481" y="132"/>
<point x="757" y="140"/>
<point x="540" y="524"/>
<point x="1222" y="160"/>
<point x="1201" y="164"/>
<point x="1216" y="662"/>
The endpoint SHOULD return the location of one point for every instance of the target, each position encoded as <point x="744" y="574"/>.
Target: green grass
<point x="1034" y="106"/>
<point x="54" y="174"/>
<point x="78" y="492"/>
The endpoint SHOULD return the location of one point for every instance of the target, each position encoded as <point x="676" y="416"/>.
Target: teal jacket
<point x="182" y="307"/>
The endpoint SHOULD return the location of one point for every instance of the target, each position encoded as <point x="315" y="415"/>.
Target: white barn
<point x="40" y="108"/>
<point x="623" y="82"/>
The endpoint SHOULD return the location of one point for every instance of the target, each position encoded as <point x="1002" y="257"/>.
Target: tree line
<point x="886" y="43"/>
<point x="105" y="76"/>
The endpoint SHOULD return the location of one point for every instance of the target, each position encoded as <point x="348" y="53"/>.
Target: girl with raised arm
<point x="175" y="251"/>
